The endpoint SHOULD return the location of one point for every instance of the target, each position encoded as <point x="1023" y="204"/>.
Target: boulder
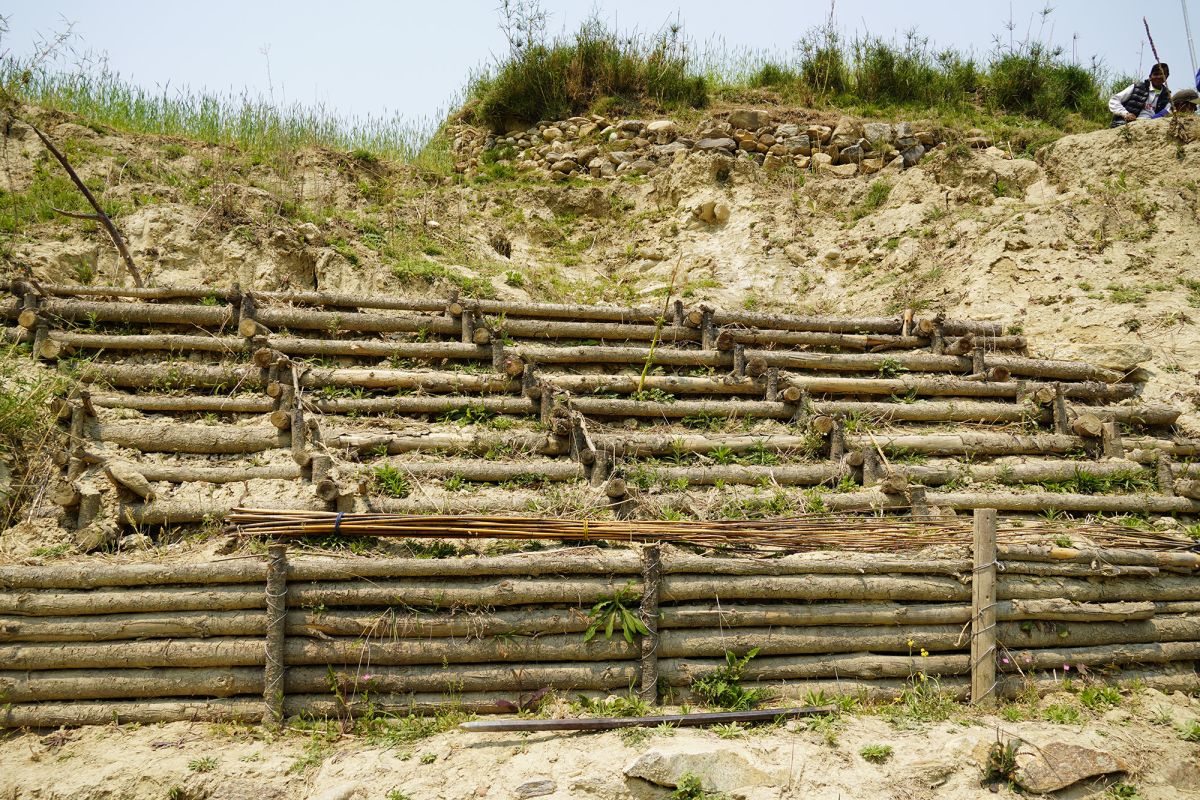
<point x="1058" y="765"/>
<point x="750" y="119"/>
<point x="821" y="160"/>
<point x="724" y="143"/>
<point x="661" y="131"/>
<point x="819" y="133"/>
<point x="912" y="155"/>
<point x="722" y="768"/>
<point x="640" y="167"/>
<point x="536" y="788"/>
<point x="787" y="130"/>
<point x="875" y="132"/>
<point x="843" y="170"/>
<point x="712" y="212"/>
<point x="631" y="126"/>
<point x="551" y="134"/>
<point x="852" y="154"/>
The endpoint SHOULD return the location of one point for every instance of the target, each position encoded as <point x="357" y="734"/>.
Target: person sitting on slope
<point x="1142" y="100"/>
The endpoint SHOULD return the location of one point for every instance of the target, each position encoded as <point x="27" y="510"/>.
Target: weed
<point x="614" y="706"/>
<point x="723" y="686"/>
<point x="1098" y="698"/>
<point x="1001" y="763"/>
<point x="1123" y="791"/>
<point x="206" y="764"/>
<point x="615" y="610"/>
<point x="396" y="794"/>
<point x="922" y="701"/>
<point x="1061" y="714"/>
<point x="890" y="367"/>
<point x="690" y="787"/>
<point x="1190" y="732"/>
<point x="391" y="481"/>
<point x="876" y="753"/>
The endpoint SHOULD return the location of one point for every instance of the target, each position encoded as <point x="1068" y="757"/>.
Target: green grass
<point x="876" y="753"/>
<point x="391" y="481"/>
<point x="1120" y="481"/>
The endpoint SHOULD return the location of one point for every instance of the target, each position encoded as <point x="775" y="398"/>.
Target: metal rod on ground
<point x="611" y="723"/>
<point x="273" y="680"/>
<point x="983" y="607"/>
<point x="651" y="581"/>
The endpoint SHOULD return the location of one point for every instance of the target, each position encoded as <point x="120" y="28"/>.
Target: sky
<point x="378" y="58"/>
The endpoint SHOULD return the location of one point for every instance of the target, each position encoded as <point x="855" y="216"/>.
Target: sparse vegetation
<point x="876" y="753"/>
<point x="723" y="688"/>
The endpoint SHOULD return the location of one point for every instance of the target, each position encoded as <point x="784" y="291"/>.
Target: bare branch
<point x="77" y="215"/>
<point x="99" y="216"/>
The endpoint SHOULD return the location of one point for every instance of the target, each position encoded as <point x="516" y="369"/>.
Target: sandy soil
<point x="798" y="760"/>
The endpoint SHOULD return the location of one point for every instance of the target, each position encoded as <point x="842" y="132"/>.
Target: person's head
<point x="1159" y="74"/>
<point x="1185" y="101"/>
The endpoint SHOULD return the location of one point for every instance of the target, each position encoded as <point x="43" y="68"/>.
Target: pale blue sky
<point x="375" y="58"/>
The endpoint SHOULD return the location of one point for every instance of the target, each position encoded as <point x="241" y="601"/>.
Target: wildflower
<point x="924" y="653"/>
<point x="910" y="642"/>
<point x="1066" y="667"/>
<point x="1004" y="661"/>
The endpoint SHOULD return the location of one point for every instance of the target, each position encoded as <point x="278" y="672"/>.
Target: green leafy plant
<point x="206" y="764"/>
<point x="1001" y="763"/>
<point x="1061" y="714"/>
<point x="876" y="753"/>
<point x="391" y="481"/>
<point x="1099" y="698"/>
<point x="723" y="686"/>
<point x="1190" y="732"/>
<point x="612" y="611"/>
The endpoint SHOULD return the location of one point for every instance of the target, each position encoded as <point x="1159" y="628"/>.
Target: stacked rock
<point x="596" y="147"/>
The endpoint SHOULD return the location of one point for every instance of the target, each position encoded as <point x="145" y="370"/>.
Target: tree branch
<point x="76" y="215"/>
<point x="99" y="216"/>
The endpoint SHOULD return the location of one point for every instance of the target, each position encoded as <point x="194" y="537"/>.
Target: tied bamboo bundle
<point x="796" y="534"/>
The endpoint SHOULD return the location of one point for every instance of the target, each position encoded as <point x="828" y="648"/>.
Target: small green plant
<point x="723" y="686"/>
<point x="1190" y="732"/>
<point x="391" y="481"/>
<point x="876" y="753"/>
<point x="428" y="758"/>
<point x="613" y="611"/>
<point x="1099" y="698"/>
<point x="1001" y="763"/>
<point x="1061" y="714"/>
<point x="1123" y="791"/>
<point x="690" y="787"/>
<point x="614" y="706"/>
<point x="396" y="794"/>
<point x="206" y="764"/>
<point x="890" y="367"/>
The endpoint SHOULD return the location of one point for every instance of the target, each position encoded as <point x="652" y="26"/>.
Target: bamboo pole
<point x="983" y="608"/>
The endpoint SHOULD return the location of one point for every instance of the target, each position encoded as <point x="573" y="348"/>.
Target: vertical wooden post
<point x="651" y="579"/>
<point x="1110" y="440"/>
<point x="1166" y="476"/>
<point x="978" y="363"/>
<point x="468" y="326"/>
<point x="937" y="340"/>
<point x="273" y="684"/>
<point x="772" y="392"/>
<point x="920" y="506"/>
<point x="983" y="608"/>
<point x="498" y="352"/>
<point x="739" y="360"/>
<point x="708" y="331"/>
<point x="1062" y="425"/>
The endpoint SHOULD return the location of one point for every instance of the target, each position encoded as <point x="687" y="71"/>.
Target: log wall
<point x="97" y="643"/>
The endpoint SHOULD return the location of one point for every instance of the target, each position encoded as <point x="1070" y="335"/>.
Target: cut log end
<point x="282" y="420"/>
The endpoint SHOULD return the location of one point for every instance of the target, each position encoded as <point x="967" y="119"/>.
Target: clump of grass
<point x="1190" y="732"/>
<point x="594" y="68"/>
<point x="1099" y="698"/>
<point x="1001" y="763"/>
<point x="391" y="481"/>
<point x="876" y="753"/>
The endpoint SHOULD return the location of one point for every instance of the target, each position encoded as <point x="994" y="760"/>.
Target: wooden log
<point x="1187" y="488"/>
<point x="186" y="404"/>
<point x="334" y="321"/>
<point x="235" y="474"/>
<point x="187" y="438"/>
<point x="853" y="666"/>
<point x="983" y="608"/>
<point x="927" y="362"/>
<point x="848" y="325"/>
<point x="489" y="471"/>
<point x="674" y="384"/>
<point x="948" y="387"/>
<point x="437" y="592"/>
<point x="500" y="679"/>
<point x="274" y="661"/>
<point x="1102" y="555"/>
<point x="648" y="668"/>
<point x="92" y="311"/>
<point x="142" y="293"/>
<point x="784" y="475"/>
<point x="682" y="588"/>
<point x="596" y="354"/>
<point x="84" y="684"/>
<point x="919" y="411"/>
<point x="423" y="405"/>
<point x="1101" y="656"/>
<point x="380" y="349"/>
<point x="54" y="715"/>
<point x="175" y="375"/>
<point x="1032" y="471"/>
<point x="1087" y="425"/>
<point x="184" y="512"/>
<point x="60" y="344"/>
<point x="846" y="341"/>
<point x="456" y="441"/>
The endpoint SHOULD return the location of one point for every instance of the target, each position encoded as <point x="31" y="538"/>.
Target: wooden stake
<point x="1110" y="439"/>
<point x="651" y="582"/>
<point x="1062" y="425"/>
<point x="983" y="609"/>
<point x="273" y="669"/>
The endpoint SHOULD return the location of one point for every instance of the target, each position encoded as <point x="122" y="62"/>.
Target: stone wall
<point x="601" y="148"/>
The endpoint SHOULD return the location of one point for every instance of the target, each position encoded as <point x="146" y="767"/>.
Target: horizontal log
<point x="681" y="588"/>
<point x="853" y="666"/>
<point x="173" y="375"/>
<point x="334" y="321"/>
<point x="88" y="684"/>
<point x="116" y="601"/>
<point x="487" y="471"/>
<point x="60" y="344"/>
<point x="433" y="382"/>
<point x="673" y="384"/>
<point x="1099" y="656"/>
<point x="497" y="679"/>
<point x="180" y="405"/>
<point x="577" y="561"/>
<point x="92" y="311"/>
<point x="143" y="712"/>
<point x="783" y="475"/>
<point x="474" y="442"/>
<point x="423" y="405"/>
<point x="438" y="592"/>
<point x="178" y="473"/>
<point x="295" y="346"/>
<point x="188" y="438"/>
<point x="918" y="411"/>
<point x="1101" y="555"/>
<point x="597" y="354"/>
<point x="951" y="387"/>
<point x="927" y="362"/>
<point x="1040" y="471"/>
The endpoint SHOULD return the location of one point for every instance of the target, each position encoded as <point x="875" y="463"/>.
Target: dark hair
<point x="1161" y="67"/>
